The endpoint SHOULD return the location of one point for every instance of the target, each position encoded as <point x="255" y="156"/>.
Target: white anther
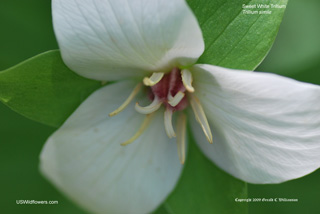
<point x="187" y="80"/>
<point x="154" y="106"/>
<point x="168" y="123"/>
<point x="154" y="79"/>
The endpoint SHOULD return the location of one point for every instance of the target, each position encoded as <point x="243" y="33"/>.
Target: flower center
<point x="170" y="90"/>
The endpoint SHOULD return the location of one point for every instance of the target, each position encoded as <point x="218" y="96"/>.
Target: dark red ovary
<point x="171" y="83"/>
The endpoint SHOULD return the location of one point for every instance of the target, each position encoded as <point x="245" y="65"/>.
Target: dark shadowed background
<point x="26" y="30"/>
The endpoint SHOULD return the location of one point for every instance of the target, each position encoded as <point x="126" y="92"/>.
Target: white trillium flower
<point x="263" y="128"/>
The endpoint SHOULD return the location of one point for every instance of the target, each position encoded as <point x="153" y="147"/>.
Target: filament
<point x="127" y="101"/>
<point x="181" y="137"/>
<point x="140" y="131"/>
<point x="201" y="117"/>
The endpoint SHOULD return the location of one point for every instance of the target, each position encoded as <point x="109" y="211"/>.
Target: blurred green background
<point x="27" y="31"/>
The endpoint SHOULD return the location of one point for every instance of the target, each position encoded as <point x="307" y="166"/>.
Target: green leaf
<point x="44" y="89"/>
<point x="204" y="188"/>
<point x="233" y="39"/>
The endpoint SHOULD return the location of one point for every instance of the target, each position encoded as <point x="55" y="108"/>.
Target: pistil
<point x="170" y="91"/>
<point x="174" y="101"/>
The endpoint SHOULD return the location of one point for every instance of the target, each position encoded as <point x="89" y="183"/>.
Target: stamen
<point x="154" y="79"/>
<point x="154" y="106"/>
<point x="140" y="131"/>
<point x="127" y="101"/>
<point x="187" y="80"/>
<point x="168" y="123"/>
<point x="181" y="137"/>
<point x="201" y="117"/>
<point x="173" y="101"/>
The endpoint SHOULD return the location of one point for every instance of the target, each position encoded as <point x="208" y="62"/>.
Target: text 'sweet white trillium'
<point x="262" y="128"/>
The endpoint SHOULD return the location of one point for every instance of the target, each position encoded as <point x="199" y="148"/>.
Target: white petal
<point x="113" y="39"/>
<point x="266" y="128"/>
<point x="85" y="160"/>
